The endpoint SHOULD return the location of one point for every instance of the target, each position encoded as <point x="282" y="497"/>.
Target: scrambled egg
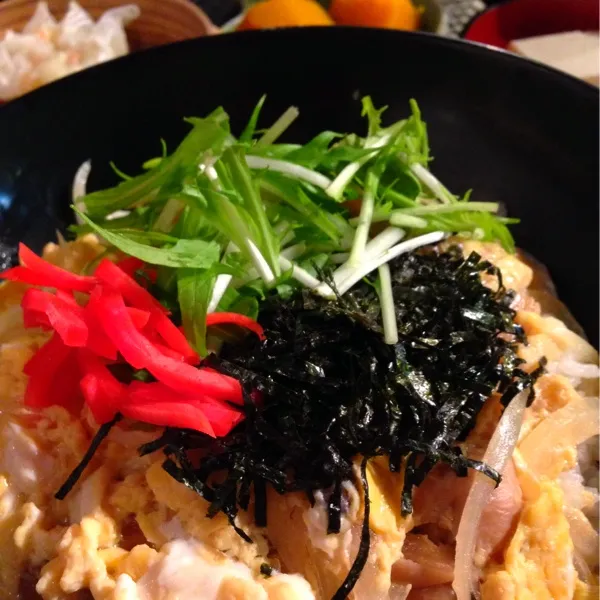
<point x="128" y="531"/>
<point x="127" y="528"/>
<point x="538" y="563"/>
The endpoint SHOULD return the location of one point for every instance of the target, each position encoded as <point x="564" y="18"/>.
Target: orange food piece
<point x="285" y="13"/>
<point x="390" y="14"/>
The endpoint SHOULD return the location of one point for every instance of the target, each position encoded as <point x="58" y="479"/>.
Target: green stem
<point x="240" y="174"/>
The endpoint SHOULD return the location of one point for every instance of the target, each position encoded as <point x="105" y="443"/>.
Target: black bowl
<point x="513" y="131"/>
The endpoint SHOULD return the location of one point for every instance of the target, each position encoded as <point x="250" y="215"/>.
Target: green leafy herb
<point x="194" y="290"/>
<point x="242" y="181"/>
<point x="208" y="134"/>
<point x="118" y="171"/>
<point x="313" y="153"/>
<point x="250" y="128"/>
<point x="373" y="115"/>
<point x="185" y="253"/>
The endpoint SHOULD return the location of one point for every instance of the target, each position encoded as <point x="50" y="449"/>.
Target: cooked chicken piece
<point x="299" y="535"/>
<point x="424" y="563"/>
<point x="438" y="592"/>
<point x="497" y="521"/>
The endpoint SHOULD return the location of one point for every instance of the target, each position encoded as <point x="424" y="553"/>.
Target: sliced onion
<point x="583" y="570"/>
<point x="569" y="426"/>
<point x="497" y="455"/>
<point x="570" y="368"/>
<point x="584" y="536"/>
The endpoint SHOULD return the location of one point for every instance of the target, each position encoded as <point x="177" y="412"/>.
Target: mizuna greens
<point x="227" y="219"/>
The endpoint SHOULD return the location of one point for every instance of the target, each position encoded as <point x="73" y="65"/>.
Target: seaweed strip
<point x="73" y="478"/>
<point x="365" y="541"/>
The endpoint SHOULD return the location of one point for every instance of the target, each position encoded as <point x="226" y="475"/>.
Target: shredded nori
<point x="330" y="390"/>
<point x="77" y="472"/>
<point x="365" y="541"/>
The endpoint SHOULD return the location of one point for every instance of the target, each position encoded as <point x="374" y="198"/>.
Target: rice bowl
<point x="133" y="527"/>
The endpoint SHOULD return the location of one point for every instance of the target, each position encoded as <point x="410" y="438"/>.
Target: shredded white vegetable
<point x="388" y="311"/>
<point x="284" y="121"/>
<point x="339" y="184"/>
<point x="497" y="455"/>
<point x="79" y="187"/>
<point x="361" y="235"/>
<point x="304" y="277"/>
<point x="433" y="183"/>
<point x="288" y="168"/>
<point x="80" y="180"/>
<point x="219" y="289"/>
<point x="48" y="49"/>
<point x="346" y="278"/>
<point x="384" y="240"/>
<point x="293" y="252"/>
<point x="261" y="265"/>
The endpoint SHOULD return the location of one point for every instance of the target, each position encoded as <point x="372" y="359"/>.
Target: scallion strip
<point x="254" y="204"/>
<point x="293" y="252"/>
<point x="282" y="123"/>
<point x="383" y="241"/>
<point x="305" y="278"/>
<point x="341" y="182"/>
<point x="290" y="169"/>
<point x="432" y="183"/>
<point x="262" y="266"/>
<point x="400" y="219"/>
<point x="388" y="312"/>
<point x="367" y="267"/>
<point x="377" y="246"/>
<point x="491" y="207"/>
<point x="364" y="219"/>
<point x="168" y="215"/>
<point x="221" y="284"/>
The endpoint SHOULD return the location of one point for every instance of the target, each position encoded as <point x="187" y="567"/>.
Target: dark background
<point x="220" y="11"/>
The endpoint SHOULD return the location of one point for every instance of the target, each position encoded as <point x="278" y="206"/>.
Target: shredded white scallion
<point x="339" y="258"/>
<point x="262" y="266"/>
<point x="352" y="277"/>
<point x="79" y="187"/>
<point x="168" y="215"/>
<point x="433" y="183"/>
<point x="339" y="184"/>
<point x="384" y="240"/>
<point x="364" y="220"/>
<point x="293" y="252"/>
<point x="221" y="284"/>
<point x="305" y="278"/>
<point x="284" y="121"/>
<point x="374" y="248"/>
<point x="211" y="173"/>
<point x="388" y="313"/>
<point x="288" y="168"/>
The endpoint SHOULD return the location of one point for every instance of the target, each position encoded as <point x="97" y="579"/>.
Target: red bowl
<point x="517" y="19"/>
